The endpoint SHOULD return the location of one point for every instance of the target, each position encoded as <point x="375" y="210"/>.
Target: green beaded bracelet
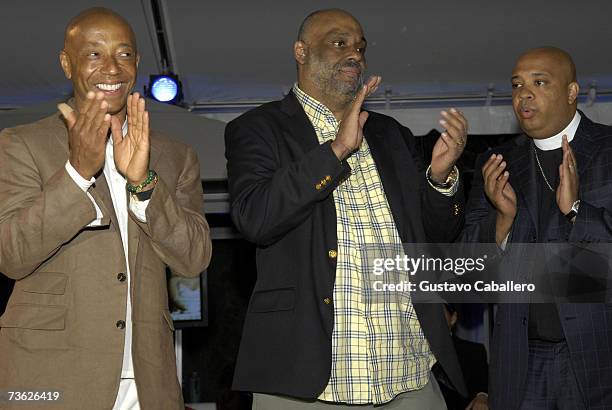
<point x="151" y="176"/>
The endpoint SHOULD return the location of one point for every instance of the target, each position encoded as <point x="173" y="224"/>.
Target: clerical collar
<point x="555" y="142"/>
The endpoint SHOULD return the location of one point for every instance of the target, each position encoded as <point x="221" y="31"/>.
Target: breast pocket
<point x="51" y="283"/>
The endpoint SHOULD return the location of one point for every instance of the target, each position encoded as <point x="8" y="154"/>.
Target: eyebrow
<point x="345" y="34"/>
<point x="535" y="74"/>
<point x="98" y="43"/>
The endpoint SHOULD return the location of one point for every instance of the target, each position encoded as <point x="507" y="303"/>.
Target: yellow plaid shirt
<point x="378" y="349"/>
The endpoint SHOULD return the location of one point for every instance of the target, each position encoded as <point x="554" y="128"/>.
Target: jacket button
<point x="120" y="324"/>
<point x="318" y="187"/>
<point x="333" y="254"/>
<point x="327" y="301"/>
<point x="456" y="209"/>
<point x="328" y="178"/>
<point x="121" y="277"/>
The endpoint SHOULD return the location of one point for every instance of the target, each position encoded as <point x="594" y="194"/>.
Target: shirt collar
<point x="317" y="112"/>
<point x="554" y="142"/>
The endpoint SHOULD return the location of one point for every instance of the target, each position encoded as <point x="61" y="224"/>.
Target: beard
<point x="328" y="78"/>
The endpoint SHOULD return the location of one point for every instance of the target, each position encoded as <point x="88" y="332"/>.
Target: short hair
<point x="307" y="22"/>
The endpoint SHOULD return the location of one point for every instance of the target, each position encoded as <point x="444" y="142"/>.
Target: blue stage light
<point x="165" y="88"/>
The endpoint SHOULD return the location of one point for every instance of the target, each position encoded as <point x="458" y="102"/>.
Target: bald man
<point x="313" y="179"/>
<point x="550" y="185"/>
<point x="90" y="217"/>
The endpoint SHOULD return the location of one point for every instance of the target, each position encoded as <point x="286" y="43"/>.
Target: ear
<point x="299" y="51"/>
<point x="65" y="63"/>
<point x="572" y="92"/>
<point x="137" y="60"/>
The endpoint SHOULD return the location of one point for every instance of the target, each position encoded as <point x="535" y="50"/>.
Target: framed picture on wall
<point x="188" y="300"/>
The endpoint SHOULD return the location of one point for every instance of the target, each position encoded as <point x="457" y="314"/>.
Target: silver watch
<point x="574" y="211"/>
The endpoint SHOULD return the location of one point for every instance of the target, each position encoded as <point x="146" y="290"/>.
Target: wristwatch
<point x="142" y="195"/>
<point x="450" y="179"/>
<point x="574" y="211"/>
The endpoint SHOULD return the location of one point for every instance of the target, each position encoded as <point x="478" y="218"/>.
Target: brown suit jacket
<point x="59" y="330"/>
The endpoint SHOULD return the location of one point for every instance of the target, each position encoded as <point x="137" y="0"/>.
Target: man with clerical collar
<point x="549" y="185"/>
<point x="313" y="179"/>
<point x="90" y="217"/>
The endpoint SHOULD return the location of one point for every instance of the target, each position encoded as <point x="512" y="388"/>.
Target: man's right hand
<point x="87" y="134"/>
<point x="350" y="132"/>
<point x="501" y="194"/>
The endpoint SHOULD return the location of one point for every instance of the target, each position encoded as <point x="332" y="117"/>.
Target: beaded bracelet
<point x="151" y="176"/>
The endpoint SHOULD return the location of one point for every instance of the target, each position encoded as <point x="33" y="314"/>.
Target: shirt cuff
<point x="139" y="209"/>
<point x="85" y="185"/>
<point x="450" y="191"/>
<point x="504" y="242"/>
<point x="77" y="178"/>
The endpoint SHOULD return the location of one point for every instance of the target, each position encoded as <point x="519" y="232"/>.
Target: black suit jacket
<point x="587" y="326"/>
<point x="280" y="181"/>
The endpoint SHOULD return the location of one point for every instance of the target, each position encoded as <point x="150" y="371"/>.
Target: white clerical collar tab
<point x="555" y="142"/>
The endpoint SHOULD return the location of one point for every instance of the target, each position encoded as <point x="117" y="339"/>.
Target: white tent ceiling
<point x="229" y="52"/>
<point x="242" y="50"/>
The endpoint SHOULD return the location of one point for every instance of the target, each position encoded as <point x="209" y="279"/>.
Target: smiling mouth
<point x="109" y="88"/>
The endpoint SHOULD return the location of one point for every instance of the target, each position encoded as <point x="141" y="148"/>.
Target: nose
<point x="525" y="93"/>
<point x="356" y="54"/>
<point x="110" y="66"/>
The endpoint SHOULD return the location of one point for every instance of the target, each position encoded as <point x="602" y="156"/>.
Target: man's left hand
<point x="480" y="402"/>
<point x="567" y="192"/>
<point x="450" y="145"/>
<point x="132" y="151"/>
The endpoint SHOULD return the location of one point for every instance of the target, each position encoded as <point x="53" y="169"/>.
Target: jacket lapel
<point x="299" y="129"/>
<point x="523" y="176"/>
<point x="101" y="194"/>
<point x="584" y="144"/>
<point x="134" y="230"/>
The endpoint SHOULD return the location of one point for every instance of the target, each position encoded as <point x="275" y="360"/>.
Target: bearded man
<point x="313" y="179"/>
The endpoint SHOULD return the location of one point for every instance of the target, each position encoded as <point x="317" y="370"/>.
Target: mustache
<point x="526" y="106"/>
<point x="349" y="64"/>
